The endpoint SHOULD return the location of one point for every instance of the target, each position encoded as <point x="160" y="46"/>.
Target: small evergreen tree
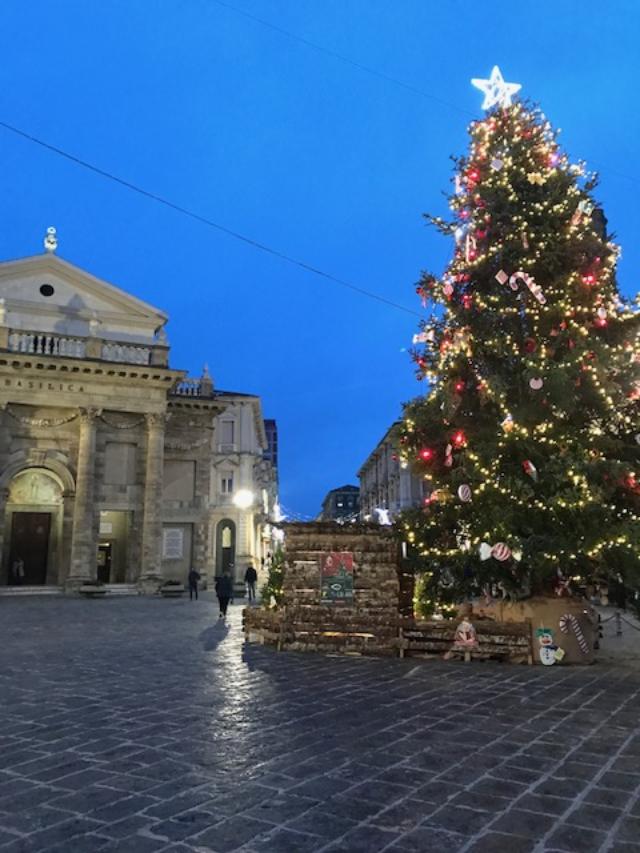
<point x="529" y="435"/>
<point x="271" y="593"/>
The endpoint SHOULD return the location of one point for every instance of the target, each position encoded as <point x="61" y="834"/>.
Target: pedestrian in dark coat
<point x="224" y="591"/>
<point x="194" y="577"/>
<point x="250" y="578"/>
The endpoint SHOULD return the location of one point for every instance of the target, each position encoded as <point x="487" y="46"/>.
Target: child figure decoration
<point x="464" y="640"/>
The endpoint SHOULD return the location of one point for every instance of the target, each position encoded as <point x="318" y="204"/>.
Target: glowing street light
<point x="243" y="498"/>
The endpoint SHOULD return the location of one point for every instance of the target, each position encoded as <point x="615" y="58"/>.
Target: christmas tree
<point x="271" y="593"/>
<point x="529" y="434"/>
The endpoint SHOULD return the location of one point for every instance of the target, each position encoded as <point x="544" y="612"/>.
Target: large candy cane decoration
<point x="570" y="619"/>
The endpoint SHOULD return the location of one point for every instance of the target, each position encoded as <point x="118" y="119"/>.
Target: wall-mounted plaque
<point x="336" y="576"/>
<point x="172" y="543"/>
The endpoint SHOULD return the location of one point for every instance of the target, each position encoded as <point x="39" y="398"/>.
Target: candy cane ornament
<point x="570" y="620"/>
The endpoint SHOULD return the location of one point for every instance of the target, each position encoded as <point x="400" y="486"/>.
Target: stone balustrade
<point x="126" y="353"/>
<point x="65" y="346"/>
<point x="189" y="387"/>
<point x="45" y="344"/>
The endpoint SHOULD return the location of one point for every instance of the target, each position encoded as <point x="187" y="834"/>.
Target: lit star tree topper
<point x="496" y="90"/>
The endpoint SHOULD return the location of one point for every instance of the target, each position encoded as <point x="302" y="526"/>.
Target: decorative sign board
<point x="336" y="576"/>
<point x="172" y="543"/>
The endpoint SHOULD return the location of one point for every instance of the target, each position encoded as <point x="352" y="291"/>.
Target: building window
<point x="226" y="484"/>
<point x="227" y="432"/>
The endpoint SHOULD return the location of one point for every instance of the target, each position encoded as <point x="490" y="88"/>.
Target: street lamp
<point x="243" y="498"/>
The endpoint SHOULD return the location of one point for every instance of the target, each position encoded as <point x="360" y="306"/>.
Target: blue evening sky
<point x="293" y="147"/>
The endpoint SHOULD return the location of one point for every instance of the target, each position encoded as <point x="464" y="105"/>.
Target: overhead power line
<point x="342" y="58"/>
<point x="368" y="69"/>
<point x="204" y="220"/>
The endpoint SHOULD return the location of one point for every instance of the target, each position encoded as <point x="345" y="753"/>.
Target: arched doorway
<point x="225" y="546"/>
<point x="32" y="525"/>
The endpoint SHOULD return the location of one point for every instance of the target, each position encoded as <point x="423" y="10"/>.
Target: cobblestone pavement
<point x="145" y="725"/>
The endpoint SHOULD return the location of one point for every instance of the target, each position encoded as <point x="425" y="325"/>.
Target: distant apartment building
<point x="384" y="483"/>
<point x="341" y="504"/>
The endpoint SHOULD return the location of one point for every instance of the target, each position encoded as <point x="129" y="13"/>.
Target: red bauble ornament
<point x="459" y="386"/>
<point x="459" y="439"/>
<point x="530" y="345"/>
<point x="426" y="454"/>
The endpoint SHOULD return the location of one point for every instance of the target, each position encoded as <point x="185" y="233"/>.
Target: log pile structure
<point x="376" y="619"/>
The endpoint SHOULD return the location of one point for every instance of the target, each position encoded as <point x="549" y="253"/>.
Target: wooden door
<point x="30" y="543"/>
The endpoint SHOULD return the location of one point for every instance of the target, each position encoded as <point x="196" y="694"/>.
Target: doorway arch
<point x="33" y="526"/>
<point x="225" y="546"/>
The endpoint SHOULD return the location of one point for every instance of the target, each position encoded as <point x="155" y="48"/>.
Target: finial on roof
<point x="51" y="240"/>
<point x="206" y="382"/>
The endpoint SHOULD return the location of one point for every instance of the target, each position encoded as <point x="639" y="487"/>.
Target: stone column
<point x="83" y="568"/>
<point x="151" y="563"/>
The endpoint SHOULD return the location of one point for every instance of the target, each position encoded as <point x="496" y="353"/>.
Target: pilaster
<point x="84" y="543"/>
<point x="151" y="564"/>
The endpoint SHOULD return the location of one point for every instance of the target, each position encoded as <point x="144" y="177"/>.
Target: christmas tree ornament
<point x="602" y="312"/>
<point x="500" y="552"/>
<point x="517" y="555"/>
<point x="470" y="248"/>
<point x="426" y="454"/>
<point x="501" y="277"/>
<point x="525" y="240"/>
<point x="448" y="289"/>
<point x="507" y="423"/>
<point x="459" y="439"/>
<point x="530" y="282"/>
<point x="485" y="551"/>
<point x="536" y="383"/>
<point x="448" y="457"/>
<point x="464" y="493"/>
<point x="530" y="469"/>
<point x="530" y="345"/>
<point x="496" y="90"/>
<point x="497" y="164"/>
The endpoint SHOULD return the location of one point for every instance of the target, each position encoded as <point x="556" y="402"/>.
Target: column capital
<point x="156" y="420"/>
<point x="88" y="414"/>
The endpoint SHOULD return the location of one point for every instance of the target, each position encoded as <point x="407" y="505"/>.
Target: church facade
<point x="114" y="467"/>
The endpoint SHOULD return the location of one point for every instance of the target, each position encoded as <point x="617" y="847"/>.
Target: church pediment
<point x="47" y="293"/>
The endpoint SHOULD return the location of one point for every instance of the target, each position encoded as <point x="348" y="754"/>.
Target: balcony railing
<point x="30" y="342"/>
<point x="126" y="353"/>
<point x="189" y="388"/>
<point x="65" y="346"/>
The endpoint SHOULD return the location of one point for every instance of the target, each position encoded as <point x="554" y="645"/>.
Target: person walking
<point x="250" y="578"/>
<point x="194" y="577"/>
<point x="224" y="591"/>
<point x="17" y="569"/>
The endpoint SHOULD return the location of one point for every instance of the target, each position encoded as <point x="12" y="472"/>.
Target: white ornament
<point x="485" y="551"/>
<point x="497" y="164"/>
<point x="536" y="384"/>
<point x="602" y="312"/>
<point x="496" y="90"/>
<point x="464" y="492"/>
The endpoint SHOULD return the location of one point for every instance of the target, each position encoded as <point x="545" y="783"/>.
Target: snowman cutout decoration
<point x="547" y="648"/>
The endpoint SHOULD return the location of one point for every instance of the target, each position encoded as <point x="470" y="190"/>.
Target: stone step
<point x="42" y="589"/>
<point x="121" y="589"/>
